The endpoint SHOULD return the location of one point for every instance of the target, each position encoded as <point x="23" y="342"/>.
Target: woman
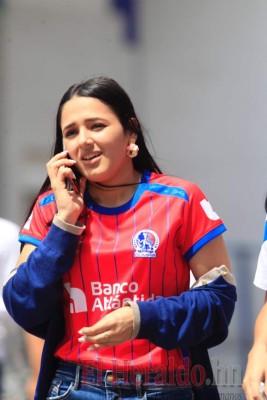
<point x="256" y="369"/>
<point x="103" y="275"/>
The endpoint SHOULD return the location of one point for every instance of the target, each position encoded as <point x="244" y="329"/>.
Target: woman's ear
<point x="134" y="124"/>
<point x="132" y="137"/>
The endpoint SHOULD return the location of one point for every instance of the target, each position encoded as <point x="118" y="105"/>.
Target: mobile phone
<point x="262" y="385"/>
<point x="73" y="184"/>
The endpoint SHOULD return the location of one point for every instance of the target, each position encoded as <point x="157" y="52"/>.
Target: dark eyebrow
<point x="68" y="126"/>
<point x="73" y="124"/>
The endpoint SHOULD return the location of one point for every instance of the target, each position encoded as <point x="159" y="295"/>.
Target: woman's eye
<point x="97" y="126"/>
<point x="71" y="133"/>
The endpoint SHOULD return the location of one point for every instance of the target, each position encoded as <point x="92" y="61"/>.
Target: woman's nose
<point x="85" y="138"/>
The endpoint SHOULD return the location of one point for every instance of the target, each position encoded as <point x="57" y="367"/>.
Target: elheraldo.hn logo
<point x="145" y="243"/>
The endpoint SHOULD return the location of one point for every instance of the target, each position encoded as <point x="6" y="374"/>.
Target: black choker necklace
<point x="101" y="185"/>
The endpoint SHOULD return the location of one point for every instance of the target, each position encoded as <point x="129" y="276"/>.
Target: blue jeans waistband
<point x="127" y="378"/>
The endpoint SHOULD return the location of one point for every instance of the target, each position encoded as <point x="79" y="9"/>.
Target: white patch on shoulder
<point x="205" y="204"/>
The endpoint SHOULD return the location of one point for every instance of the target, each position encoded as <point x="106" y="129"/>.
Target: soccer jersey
<point x="139" y="252"/>
<point x="260" y="279"/>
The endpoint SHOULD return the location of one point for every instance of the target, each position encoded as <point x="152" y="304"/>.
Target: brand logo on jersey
<point x="77" y="299"/>
<point x="145" y="243"/>
<point x="208" y="210"/>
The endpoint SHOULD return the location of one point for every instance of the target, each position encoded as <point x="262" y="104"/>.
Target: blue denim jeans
<point x="75" y="382"/>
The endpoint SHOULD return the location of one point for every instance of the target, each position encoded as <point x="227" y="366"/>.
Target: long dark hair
<point x="113" y="95"/>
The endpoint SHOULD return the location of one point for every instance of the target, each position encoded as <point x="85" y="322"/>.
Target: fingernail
<point x="81" y="339"/>
<point x="91" y="348"/>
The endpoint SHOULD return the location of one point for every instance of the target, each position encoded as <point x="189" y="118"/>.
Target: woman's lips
<point x="92" y="158"/>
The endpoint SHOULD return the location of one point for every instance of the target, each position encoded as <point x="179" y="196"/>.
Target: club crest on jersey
<point x="145" y="243"/>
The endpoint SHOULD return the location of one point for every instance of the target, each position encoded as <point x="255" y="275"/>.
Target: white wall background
<point x="198" y="79"/>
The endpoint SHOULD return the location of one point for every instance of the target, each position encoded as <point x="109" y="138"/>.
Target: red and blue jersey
<point x="260" y="279"/>
<point x="139" y="252"/>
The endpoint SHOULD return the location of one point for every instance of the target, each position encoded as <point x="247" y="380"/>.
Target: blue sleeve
<point x="31" y="294"/>
<point x="200" y="315"/>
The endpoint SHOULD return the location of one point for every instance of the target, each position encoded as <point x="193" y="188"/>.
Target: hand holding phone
<point x="73" y="184"/>
<point x="63" y="177"/>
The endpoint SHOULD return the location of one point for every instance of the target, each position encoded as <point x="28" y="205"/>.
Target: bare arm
<point x="34" y="347"/>
<point x="214" y="254"/>
<point x="26" y="251"/>
<point x="256" y="370"/>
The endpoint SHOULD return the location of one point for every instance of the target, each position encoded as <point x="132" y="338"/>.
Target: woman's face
<point x="95" y="138"/>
